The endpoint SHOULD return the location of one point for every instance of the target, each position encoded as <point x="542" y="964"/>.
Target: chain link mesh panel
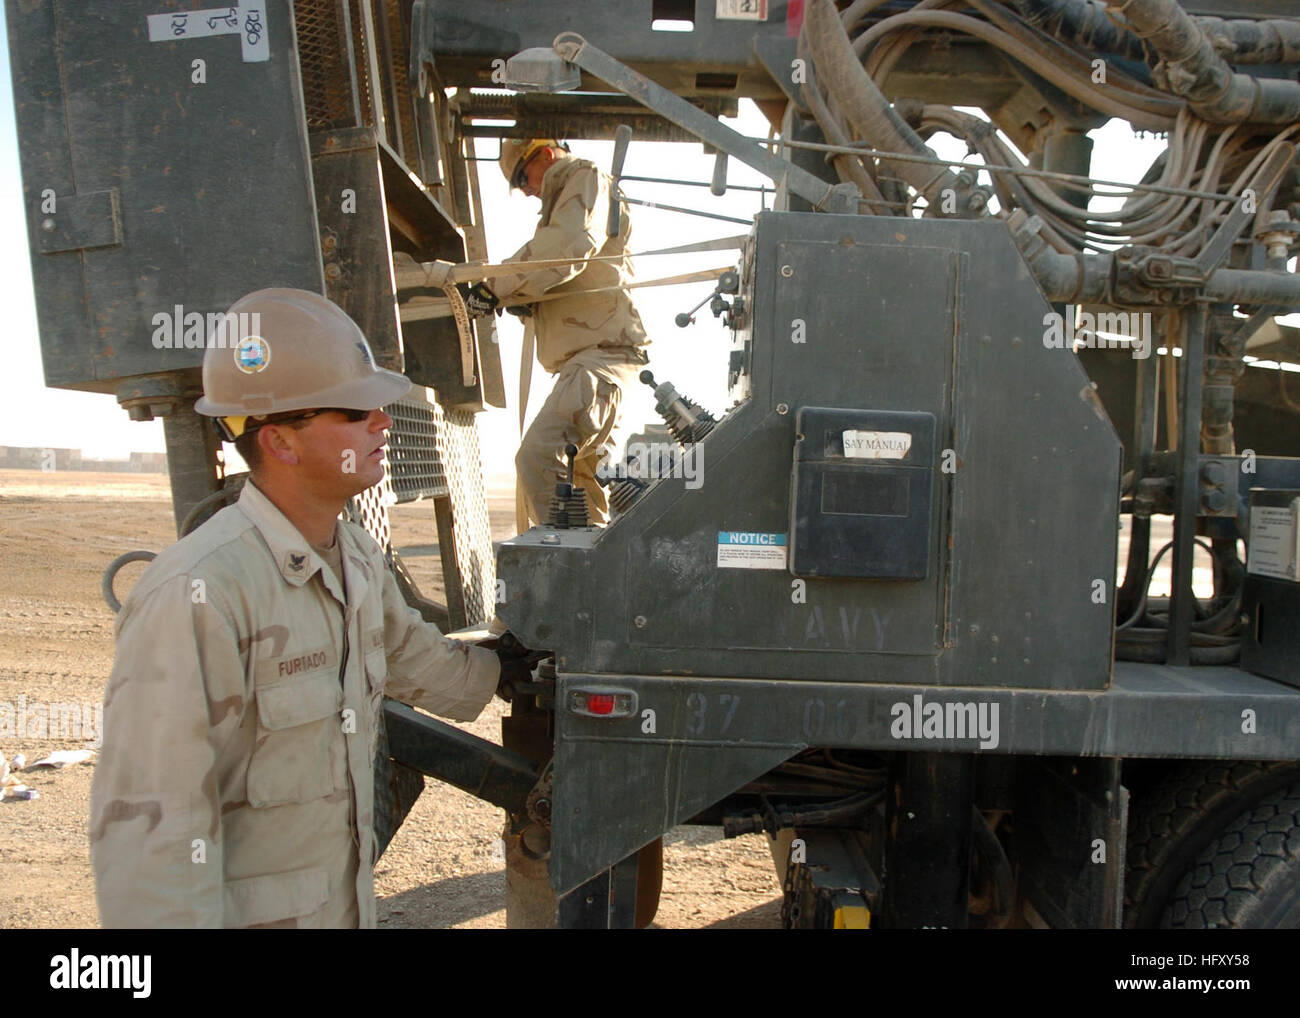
<point x="458" y="447"/>
<point x="432" y="454"/>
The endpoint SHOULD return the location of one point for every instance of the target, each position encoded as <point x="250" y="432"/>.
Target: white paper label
<point x="1275" y="541"/>
<point x="877" y="445"/>
<point x="739" y="549"/>
<point x="246" y="21"/>
<point x="741" y="10"/>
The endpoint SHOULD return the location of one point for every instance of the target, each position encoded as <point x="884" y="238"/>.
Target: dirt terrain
<point x="445" y="866"/>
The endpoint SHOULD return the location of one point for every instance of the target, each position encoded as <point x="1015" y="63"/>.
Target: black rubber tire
<point x="1189" y="809"/>
<point x="649" y="882"/>
<point x="1249" y="877"/>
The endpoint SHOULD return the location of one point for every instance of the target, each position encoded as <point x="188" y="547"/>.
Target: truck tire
<point x="530" y="902"/>
<point x="649" y="882"/>
<point x="1180" y="817"/>
<point x="1249" y="877"/>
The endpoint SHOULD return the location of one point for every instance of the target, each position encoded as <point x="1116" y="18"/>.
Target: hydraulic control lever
<point x="569" y="506"/>
<point x="687" y="421"/>
<point x="728" y="282"/>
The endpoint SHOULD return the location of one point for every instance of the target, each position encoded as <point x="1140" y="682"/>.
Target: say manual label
<point x="743" y="549"/>
<point x="740" y="10"/>
<point x="877" y="445"/>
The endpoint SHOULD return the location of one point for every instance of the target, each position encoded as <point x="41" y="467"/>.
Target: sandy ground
<point x="443" y="869"/>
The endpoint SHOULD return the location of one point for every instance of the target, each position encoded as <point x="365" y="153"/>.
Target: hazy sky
<point x="694" y="358"/>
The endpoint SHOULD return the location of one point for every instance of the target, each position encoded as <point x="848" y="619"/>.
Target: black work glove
<point x="479" y="300"/>
<point x="517" y="663"/>
<point x="514" y="670"/>
<point x="521" y="310"/>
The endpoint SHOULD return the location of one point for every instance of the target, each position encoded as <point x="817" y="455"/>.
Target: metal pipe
<point x="574" y="48"/>
<point x="687" y="212"/>
<point x="1186" y="490"/>
<point x="481" y="768"/>
<point x="1076" y="278"/>
<point x="191" y="459"/>
<point x="1069" y="151"/>
<point x="1254" y="286"/>
<point x="696" y="183"/>
<point x="1084" y="278"/>
<point x="1223" y="366"/>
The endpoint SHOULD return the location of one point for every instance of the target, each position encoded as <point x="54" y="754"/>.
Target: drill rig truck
<point x="888" y="631"/>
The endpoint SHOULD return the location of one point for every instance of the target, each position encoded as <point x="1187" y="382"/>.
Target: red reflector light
<point x="600" y="703"/>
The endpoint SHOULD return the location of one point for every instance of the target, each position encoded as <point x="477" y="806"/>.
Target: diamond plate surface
<point x="323" y="60"/>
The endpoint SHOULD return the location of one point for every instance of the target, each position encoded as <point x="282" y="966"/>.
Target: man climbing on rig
<point x="592" y="340"/>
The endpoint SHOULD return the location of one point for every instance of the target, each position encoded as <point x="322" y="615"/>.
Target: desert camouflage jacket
<point x="235" y="785"/>
<point x="575" y="210"/>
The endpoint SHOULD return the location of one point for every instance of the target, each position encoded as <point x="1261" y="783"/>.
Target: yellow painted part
<point x="853" y="917"/>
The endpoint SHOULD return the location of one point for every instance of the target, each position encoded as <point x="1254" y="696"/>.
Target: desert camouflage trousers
<point x="583" y="408"/>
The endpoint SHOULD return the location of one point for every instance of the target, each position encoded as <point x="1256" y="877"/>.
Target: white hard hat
<point x="300" y="352"/>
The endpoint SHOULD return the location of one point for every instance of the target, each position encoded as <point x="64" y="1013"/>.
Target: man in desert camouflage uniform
<point x="235" y="785"/>
<point x="592" y="340"/>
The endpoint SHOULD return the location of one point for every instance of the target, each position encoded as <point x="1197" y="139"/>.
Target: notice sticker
<point x="877" y="445"/>
<point x="1275" y="541"/>
<point x="743" y="549"/>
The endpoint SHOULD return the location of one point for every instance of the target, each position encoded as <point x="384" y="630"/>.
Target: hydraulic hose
<point x="867" y="109"/>
<point x="848" y="167"/>
<point x="1240" y="41"/>
<point x="1083" y="22"/>
<point x="1194" y="70"/>
<point x="1104" y="100"/>
<point x="1237" y="40"/>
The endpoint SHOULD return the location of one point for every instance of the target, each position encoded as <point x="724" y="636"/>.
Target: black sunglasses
<point x="521" y="172"/>
<point x="353" y="415"/>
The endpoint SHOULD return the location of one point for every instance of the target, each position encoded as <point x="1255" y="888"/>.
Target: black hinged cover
<point x="860" y="504"/>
